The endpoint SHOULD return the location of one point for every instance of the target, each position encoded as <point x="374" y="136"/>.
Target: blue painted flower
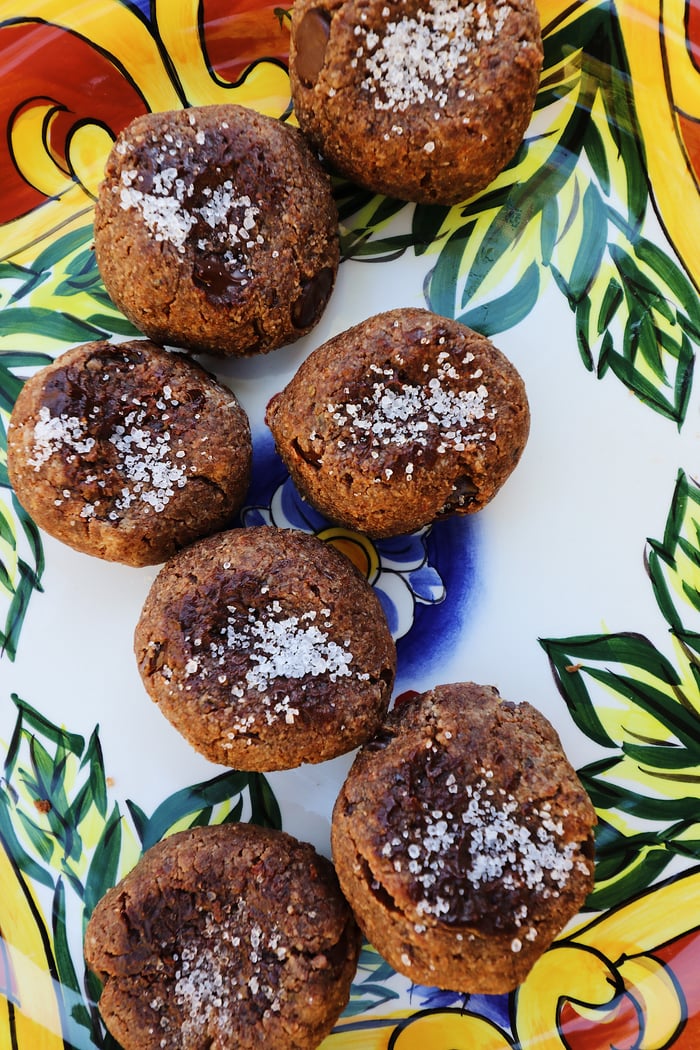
<point x="494" y="1008"/>
<point x="397" y="568"/>
<point x="425" y="580"/>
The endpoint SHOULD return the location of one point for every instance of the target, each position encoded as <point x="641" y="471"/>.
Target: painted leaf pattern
<point x="643" y="708"/>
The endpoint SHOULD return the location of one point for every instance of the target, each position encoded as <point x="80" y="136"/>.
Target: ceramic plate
<point x="577" y="588"/>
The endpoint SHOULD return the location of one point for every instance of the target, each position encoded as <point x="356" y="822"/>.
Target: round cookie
<point x="462" y="839"/>
<point x="231" y="936"/>
<point x="424" y="100"/>
<point x="402" y="419"/>
<point x="128" y="452"/>
<point x="216" y="230"/>
<point x="266" y="649"/>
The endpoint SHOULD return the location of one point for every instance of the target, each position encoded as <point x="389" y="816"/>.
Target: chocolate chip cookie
<point x="404" y="418"/>
<point x="462" y="839"/>
<point x="216" y="230"/>
<point x="266" y="649"/>
<point x="128" y="452"/>
<point x="231" y="936"/>
<point x="424" y="100"/>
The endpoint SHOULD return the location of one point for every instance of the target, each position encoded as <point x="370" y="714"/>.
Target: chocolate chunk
<point x="313" y="298"/>
<point x="312" y="41"/>
<point x="218" y="279"/>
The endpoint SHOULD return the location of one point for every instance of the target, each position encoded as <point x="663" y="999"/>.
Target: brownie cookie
<point x="462" y="839"/>
<point x="128" y="452"/>
<point x="402" y="419"/>
<point x="216" y="230"/>
<point x="424" y="100"/>
<point x="266" y="649"/>
<point x="230" y="936"/>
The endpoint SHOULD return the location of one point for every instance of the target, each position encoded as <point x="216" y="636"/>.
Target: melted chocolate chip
<point x="219" y="280"/>
<point x="464" y="492"/>
<point x="63" y="396"/>
<point x="313" y="298"/>
<point x="311" y="42"/>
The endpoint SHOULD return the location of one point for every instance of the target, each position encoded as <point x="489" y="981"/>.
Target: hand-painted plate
<point x="578" y="588"/>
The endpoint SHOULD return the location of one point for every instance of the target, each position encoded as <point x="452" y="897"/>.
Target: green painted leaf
<point x="10" y="386"/>
<point x="75" y="1015"/>
<point x="442" y="281"/>
<point x="23" y="359"/>
<point x="612" y="300"/>
<point x="645" y="390"/>
<point x="680" y="538"/>
<point x="93" y="758"/>
<point x="41" y="842"/>
<point x="266" y="811"/>
<point x="65" y="245"/>
<point x="663" y="756"/>
<point x="572" y="686"/>
<point x="113" y="324"/>
<point x="49" y="324"/>
<point x="5" y="578"/>
<point x="381" y="249"/>
<point x="673" y="278"/>
<point x="583" y="324"/>
<point x="592" y="245"/>
<point x="14" y="849"/>
<point x="636" y="879"/>
<point x="32" y="718"/>
<point x="594" y="148"/>
<point x="104" y="865"/>
<point x="428" y="220"/>
<point x="188" y="802"/>
<point x="139" y="818"/>
<point x="607" y="795"/>
<point x="506" y="310"/>
<point x="549" y="229"/>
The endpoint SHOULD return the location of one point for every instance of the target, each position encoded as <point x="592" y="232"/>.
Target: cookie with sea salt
<point x="228" y="936"/>
<point x="404" y="418"/>
<point x="462" y="839"/>
<point x="266" y="649"/>
<point x="128" y="452"/>
<point x="424" y="100"/>
<point x="216" y="230"/>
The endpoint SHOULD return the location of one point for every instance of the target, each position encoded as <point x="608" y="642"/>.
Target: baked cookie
<point x="230" y="936"/>
<point x="424" y="100"/>
<point x="128" y="452"/>
<point x="402" y="419"/>
<point x="216" y="230"/>
<point x="266" y="649"/>
<point x="462" y="839"/>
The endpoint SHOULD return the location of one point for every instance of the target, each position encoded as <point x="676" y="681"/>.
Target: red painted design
<point x="239" y="33"/>
<point x="34" y="57"/>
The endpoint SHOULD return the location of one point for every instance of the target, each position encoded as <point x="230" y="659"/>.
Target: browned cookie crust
<point x="462" y="839"/>
<point x="266" y="649"/>
<point x="216" y="230"/>
<point x="128" y="452"/>
<point x="425" y="100"/>
<point x="400" y="420"/>
<point x="230" y="936"/>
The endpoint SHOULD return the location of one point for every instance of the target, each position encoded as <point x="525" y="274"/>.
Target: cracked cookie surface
<point x="128" y="452"/>
<point x="462" y="839"/>
<point x="424" y="100"/>
<point x="401" y="419"/>
<point x="216" y="230"/>
<point x="266" y="649"/>
<point x="230" y="936"/>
